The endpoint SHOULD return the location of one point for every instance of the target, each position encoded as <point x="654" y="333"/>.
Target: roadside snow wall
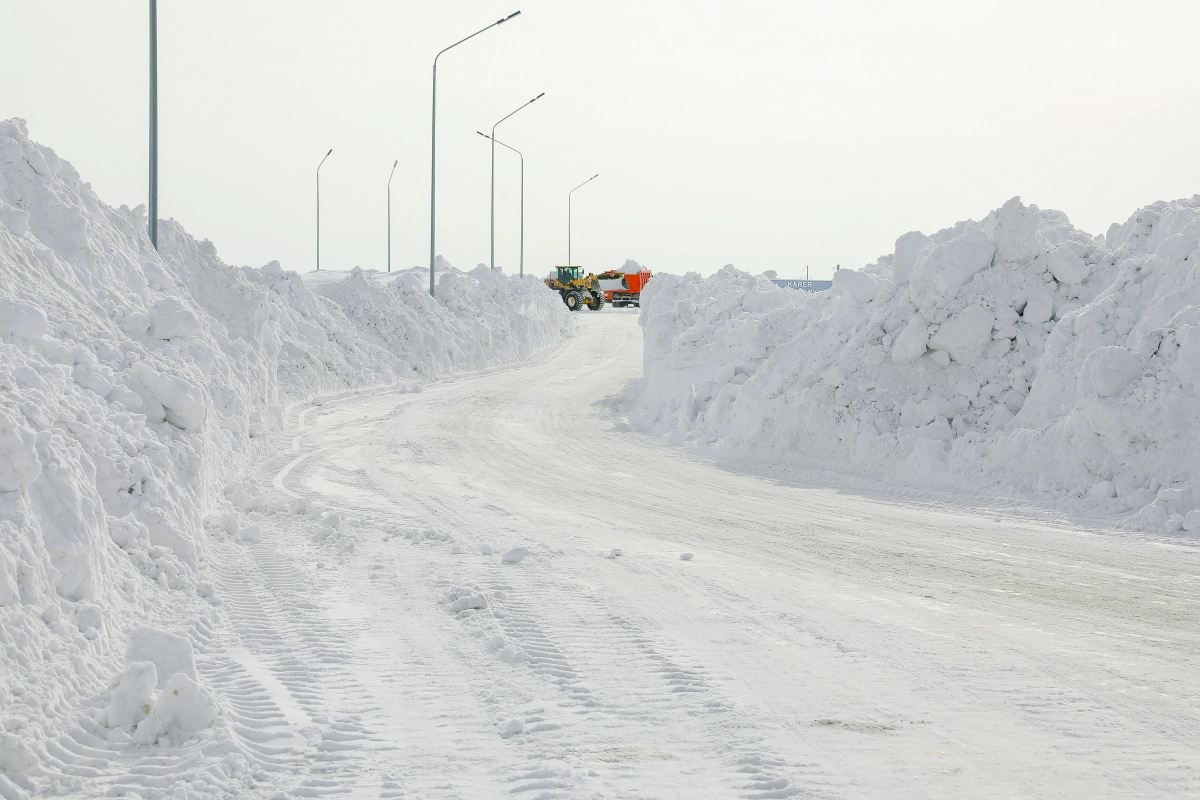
<point x="1016" y="352"/>
<point x="134" y="383"/>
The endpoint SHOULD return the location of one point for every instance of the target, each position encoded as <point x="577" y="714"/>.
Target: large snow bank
<point x="1014" y="352"/>
<point x="133" y="385"/>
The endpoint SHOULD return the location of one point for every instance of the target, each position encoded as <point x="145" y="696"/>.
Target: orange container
<point x="630" y="290"/>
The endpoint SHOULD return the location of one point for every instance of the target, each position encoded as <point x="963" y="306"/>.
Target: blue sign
<point x="803" y="285"/>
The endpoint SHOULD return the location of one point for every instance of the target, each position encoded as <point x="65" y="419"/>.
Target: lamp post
<point x="580" y="186"/>
<point x="154" y="123"/>
<point x="522" y="155"/>
<point x="393" y="172"/>
<point x="433" y="147"/>
<point x="492" y="263"/>
<point x="319" y="208"/>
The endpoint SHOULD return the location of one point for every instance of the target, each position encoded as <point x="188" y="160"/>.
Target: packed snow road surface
<point x="817" y="644"/>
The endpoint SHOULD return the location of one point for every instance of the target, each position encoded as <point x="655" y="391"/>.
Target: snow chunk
<point x="183" y="402"/>
<point x="953" y="263"/>
<point x="911" y="343"/>
<point x="1187" y="367"/>
<point x="857" y="284"/>
<point x="89" y="616"/>
<point x="1016" y="233"/>
<point x="1039" y="309"/>
<point x="464" y="598"/>
<point x="965" y="335"/>
<point x="19" y="462"/>
<point x="1108" y="370"/>
<point x="908" y="250"/>
<point x="21" y="319"/>
<point x="186" y="704"/>
<point x="169" y="319"/>
<point x="182" y="708"/>
<point x="516" y="555"/>
<point x="133" y="699"/>
<point x="169" y="652"/>
<point x="1178" y="246"/>
<point x="1065" y="266"/>
<point x="15" y="219"/>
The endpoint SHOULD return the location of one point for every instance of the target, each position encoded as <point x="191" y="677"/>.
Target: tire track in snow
<point x="888" y="641"/>
<point x="285" y="634"/>
<point x="880" y="642"/>
<point x="662" y="686"/>
<point x="255" y="744"/>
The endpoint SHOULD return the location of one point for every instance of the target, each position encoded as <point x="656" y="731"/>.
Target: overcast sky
<point x="769" y="135"/>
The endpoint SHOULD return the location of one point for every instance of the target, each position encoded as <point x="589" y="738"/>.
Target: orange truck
<point x="623" y="288"/>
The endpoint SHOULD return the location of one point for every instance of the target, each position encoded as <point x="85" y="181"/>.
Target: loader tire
<point x="573" y="301"/>
<point x="596" y="304"/>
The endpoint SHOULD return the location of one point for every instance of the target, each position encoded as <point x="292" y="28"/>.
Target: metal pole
<point x="393" y="172"/>
<point x="433" y="175"/>
<point x="319" y="208"/>
<point x="522" y="155"/>
<point x="433" y="149"/>
<point x="492" y="262"/>
<point x="492" y="222"/>
<point x="580" y="186"/>
<point x="522" y="214"/>
<point x="154" y="123"/>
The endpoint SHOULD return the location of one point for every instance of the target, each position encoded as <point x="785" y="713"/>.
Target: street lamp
<point x="154" y="123"/>
<point x="580" y="186"/>
<point x="393" y="172"/>
<point x="493" y="138"/>
<point x="319" y="208"/>
<point x="522" y="155"/>
<point x="433" y="147"/>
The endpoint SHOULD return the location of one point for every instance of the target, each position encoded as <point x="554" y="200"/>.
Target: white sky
<point x="769" y="135"/>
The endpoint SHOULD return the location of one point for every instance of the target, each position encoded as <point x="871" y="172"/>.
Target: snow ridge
<point x="1016" y="352"/>
<point x="134" y="385"/>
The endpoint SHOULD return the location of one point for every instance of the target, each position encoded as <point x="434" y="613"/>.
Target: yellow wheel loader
<point x="576" y="290"/>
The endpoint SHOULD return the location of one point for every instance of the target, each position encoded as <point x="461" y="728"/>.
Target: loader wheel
<point x="572" y="300"/>
<point x="596" y="304"/>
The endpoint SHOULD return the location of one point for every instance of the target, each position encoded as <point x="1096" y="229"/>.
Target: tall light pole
<point x="580" y="186"/>
<point x="492" y="263"/>
<point x="433" y="148"/>
<point x="154" y="123"/>
<point x="393" y="172"/>
<point x="522" y="155"/>
<point x="319" y="208"/>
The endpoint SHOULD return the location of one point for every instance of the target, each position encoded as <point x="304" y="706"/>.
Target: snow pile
<point x="478" y="319"/>
<point x="1016" y="352"/>
<point x="133" y="385"/>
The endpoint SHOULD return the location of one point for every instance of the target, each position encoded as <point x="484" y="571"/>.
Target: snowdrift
<point x="1016" y="352"/>
<point x="133" y="385"/>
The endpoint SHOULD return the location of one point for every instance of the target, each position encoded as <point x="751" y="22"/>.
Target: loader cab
<point x="567" y="274"/>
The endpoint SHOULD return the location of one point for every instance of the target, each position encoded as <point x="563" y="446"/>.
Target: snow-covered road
<point x="820" y="643"/>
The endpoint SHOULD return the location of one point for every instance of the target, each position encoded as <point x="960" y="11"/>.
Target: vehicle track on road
<point x="820" y="644"/>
